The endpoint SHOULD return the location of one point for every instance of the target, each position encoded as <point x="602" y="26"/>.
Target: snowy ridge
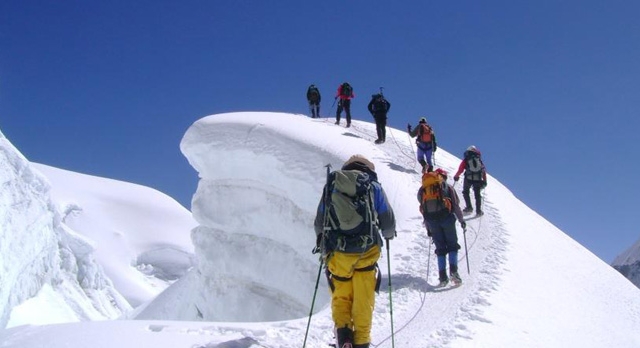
<point x="214" y="144"/>
<point x="261" y="176"/>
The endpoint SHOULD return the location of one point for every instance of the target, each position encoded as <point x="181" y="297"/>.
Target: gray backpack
<point x="351" y="222"/>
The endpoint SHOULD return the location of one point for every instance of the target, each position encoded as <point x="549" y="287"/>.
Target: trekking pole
<point x="313" y="302"/>
<point x="390" y="297"/>
<point x="466" y="251"/>
<point x="433" y="154"/>
<point x="332" y="105"/>
<point x="410" y="145"/>
<point x="429" y="257"/>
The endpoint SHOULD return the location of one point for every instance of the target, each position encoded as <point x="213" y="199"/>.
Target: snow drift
<point x="39" y="254"/>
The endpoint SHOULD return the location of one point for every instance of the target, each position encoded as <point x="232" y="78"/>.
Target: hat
<point x="360" y="159"/>
<point x="472" y="148"/>
<point x="423" y="120"/>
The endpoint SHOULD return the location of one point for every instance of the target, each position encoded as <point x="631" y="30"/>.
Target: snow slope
<point x="261" y="174"/>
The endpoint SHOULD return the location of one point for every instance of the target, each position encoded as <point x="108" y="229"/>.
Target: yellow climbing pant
<point x="353" y="296"/>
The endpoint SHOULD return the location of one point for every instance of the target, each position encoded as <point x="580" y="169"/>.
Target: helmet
<point x="423" y="120"/>
<point x="472" y="148"/>
<point x="442" y="172"/>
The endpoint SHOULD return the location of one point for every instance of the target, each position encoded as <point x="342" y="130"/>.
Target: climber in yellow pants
<point x="353" y="278"/>
<point x="353" y="217"/>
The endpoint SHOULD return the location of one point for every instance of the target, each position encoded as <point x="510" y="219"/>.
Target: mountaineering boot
<point x="379" y="141"/>
<point x="479" y="212"/>
<point x="443" y="278"/>
<point x="345" y="337"/>
<point x="337" y="122"/>
<point x="364" y="345"/>
<point x="348" y="124"/>
<point x="455" y="278"/>
<point x="453" y="273"/>
<point x="467" y="209"/>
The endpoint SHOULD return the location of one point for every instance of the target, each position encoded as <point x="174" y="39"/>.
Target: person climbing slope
<point x="351" y="215"/>
<point x="425" y="142"/>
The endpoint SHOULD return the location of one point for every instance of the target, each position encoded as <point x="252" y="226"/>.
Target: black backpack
<point x="380" y="104"/>
<point x="347" y="90"/>
<point x="351" y="216"/>
<point x="313" y="94"/>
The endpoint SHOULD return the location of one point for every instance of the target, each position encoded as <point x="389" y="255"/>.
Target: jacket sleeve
<point x="455" y="203"/>
<point x="414" y="131"/>
<point x="460" y="168"/>
<point x="370" y="106"/>
<point x="386" y="217"/>
<point x="318" y="223"/>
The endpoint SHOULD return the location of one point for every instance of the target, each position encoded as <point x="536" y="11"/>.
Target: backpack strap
<point x="375" y="266"/>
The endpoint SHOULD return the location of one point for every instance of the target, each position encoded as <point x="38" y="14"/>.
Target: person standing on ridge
<point x="439" y="205"/>
<point x="345" y="93"/>
<point x="475" y="175"/>
<point x="352" y="213"/>
<point x="425" y="142"/>
<point x="313" y="97"/>
<point x="379" y="107"/>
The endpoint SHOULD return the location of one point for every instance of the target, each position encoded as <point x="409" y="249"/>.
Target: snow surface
<point x="528" y="284"/>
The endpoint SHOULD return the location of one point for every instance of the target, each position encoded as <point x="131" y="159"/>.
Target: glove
<point x="434" y="149"/>
<point x="429" y="233"/>
<point x="317" y="248"/>
<point x="484" y="184"/>
<point x="463" y="224"/>
<point x="456" y="178"/>
<point x="395" y="234"/>
<point x="409" y="127"/>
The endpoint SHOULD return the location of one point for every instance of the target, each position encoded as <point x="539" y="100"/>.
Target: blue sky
<point x="547" y="90"/>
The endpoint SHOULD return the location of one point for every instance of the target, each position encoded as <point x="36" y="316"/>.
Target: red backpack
<point x="425" y="133"/>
